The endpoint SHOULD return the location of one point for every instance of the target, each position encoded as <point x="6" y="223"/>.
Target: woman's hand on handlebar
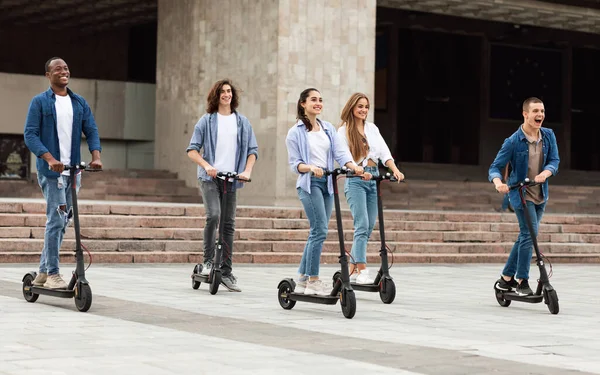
<point x="356" y="169"/>
<point x="398" y="175"/>
<point x="316" y="171"/>
<point x="367" y="176"/>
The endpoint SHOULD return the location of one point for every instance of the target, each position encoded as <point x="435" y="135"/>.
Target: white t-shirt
<point x="226" y="149"/>
<point x="319" y="146"/>
<point x="378" y="149"/>
<point x="64" y="127"/>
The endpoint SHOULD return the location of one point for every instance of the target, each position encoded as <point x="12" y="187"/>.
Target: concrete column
<point x="272" y="50"/>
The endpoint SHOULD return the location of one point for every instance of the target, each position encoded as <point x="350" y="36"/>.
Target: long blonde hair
<point x="358" y="148"/>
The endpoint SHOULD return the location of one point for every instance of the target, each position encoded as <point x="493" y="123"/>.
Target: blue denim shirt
<point x="41" y="134"/>
<point x="205" y="137"/>
<point x="299" y="152"/>
<point x="516" y="151"/>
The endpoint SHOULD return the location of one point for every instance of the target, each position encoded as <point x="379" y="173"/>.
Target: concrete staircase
<point x="120" y="232"/>
<point x="117" y="185"/>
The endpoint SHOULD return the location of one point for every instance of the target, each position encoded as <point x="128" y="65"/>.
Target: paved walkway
<point x="146" y="319"/>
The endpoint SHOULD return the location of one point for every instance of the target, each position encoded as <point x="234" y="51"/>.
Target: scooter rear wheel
<point x="500" y="298"/>
<point x="197" y="270"/>
<point x="285" y="288"/>
<point x="552" y="301"/>
<point x="390" y="291"/>
<point x="83" y="301"/>
<point x="348" y="301"/>
<point x="27" y="293"/>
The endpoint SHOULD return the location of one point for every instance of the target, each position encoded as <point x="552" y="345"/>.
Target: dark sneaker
<point x="230" y="282"/>
<point x="502" y="284"/>
<point x="523" y="289"/>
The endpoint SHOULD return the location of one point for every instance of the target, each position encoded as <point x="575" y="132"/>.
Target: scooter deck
<point x="61" y="293"/>
<point x="200" y="278"/>
<point x="325" y="300"/>
<point x="512" y="296"/>
<point x="365" y="287"/>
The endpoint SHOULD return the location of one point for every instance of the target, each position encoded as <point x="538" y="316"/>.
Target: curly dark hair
<point x="212" y="100"/>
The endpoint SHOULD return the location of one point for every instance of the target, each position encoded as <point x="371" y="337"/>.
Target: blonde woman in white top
<point x="367" y="147"/>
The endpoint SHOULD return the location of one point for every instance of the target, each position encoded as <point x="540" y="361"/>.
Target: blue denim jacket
<point x="205" y="137"/>
<point x="299" y="152"/>
<point x="41" y="133"/>
<point x="516" y="151"/>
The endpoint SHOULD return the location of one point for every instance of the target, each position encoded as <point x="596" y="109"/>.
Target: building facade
<point x="446" y="78"/>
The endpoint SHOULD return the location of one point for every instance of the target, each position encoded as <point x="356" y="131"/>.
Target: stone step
<point x="103" y="245"/>
<point x="110" y="233"/>
<point x="164" y="209"/>
<point x="289" y="258"/>
<point x="127" y="221"/>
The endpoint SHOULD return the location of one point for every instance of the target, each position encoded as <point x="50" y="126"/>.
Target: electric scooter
<point x="215" y="275"/>
<point x="383" y="283"/>
<point x="544" y="291"/>
<point x="342" y="290"/>
<point x="79" y="287"/>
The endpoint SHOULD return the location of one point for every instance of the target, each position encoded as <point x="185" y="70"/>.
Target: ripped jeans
<point x="58" y="194"/>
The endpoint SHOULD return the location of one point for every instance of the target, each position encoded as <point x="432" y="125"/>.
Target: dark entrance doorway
<point x="438" y="101"/>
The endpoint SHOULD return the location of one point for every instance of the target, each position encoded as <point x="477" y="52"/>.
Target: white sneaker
<point x="40" y="279"/>
<point x="55" y="282"/>
<point x="363" y="278"/>
<point x="317" y="287"/>
<point x="301" y="286"/>
<point x="206" y="267"/>
<point x="353" y="277"/>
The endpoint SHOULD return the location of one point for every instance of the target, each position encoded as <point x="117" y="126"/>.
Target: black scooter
<point x="383" y="283"/>
<point x="544" y="292"/>
<point x="79" y="287"/>
<point x="342" y="290"/>
<point x="215" y="275"/>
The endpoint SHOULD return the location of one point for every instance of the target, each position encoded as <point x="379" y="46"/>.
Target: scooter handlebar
<point x="525" y="182"/>
<point x="386" y="176"/>
<point x="82" y="166"/>
<point x="233" y="175"/>
<point x="339" y="171"/>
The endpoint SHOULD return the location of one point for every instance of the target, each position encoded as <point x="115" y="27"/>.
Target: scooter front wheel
<point x="387" y="291"/>
<point x="27" y="293"/>
<point x="552" y="301"/>
<point x="215" y="282"/>
<point x="83" y="299"/>
<point x="348" y="301"/>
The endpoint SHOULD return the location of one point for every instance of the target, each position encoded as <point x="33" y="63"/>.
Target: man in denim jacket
<point x="533" y="153"/>
<point x="229" y="145"/>
<point x="53" y="128"/>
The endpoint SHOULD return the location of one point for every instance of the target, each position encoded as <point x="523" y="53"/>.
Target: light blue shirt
<point x="299" y="152"/>
<point x="205" y="138"/>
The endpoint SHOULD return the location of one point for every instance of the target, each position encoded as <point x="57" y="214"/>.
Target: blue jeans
<point x="519" y="259"/>
<point x="317" y="205"/>
<point x="362" y="199"/>
<point x="57" y="192"/>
